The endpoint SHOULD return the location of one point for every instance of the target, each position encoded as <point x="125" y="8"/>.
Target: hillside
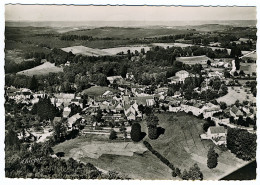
<point x="43" y="69"/>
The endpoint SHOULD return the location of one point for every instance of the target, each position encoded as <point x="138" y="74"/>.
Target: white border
<point x="109" y="2"/>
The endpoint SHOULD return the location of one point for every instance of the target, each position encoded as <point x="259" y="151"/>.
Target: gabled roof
<point x="236" y="111"/>
<point x="217" y="130"/>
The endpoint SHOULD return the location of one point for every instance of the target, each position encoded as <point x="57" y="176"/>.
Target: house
<point x="72" y="120"/>
<point x="132" y="112"/>
<point x="195" y="109"/>
<point x="174" y="108"/>
<point x="129" y="76"/>
<point x="218" y="135"/>
<point x="107" y="94"/>
<point x="150" y="102"/>
<point x="174" y="80"/>
<point x="182" y="75"/>
<point x="215" y="74"/>
<point x="64" y="97"/>
<point x="235" y="112"/>
<point x="56" y="119"/>
<point x="113" y="79"/>
<point x="209" y="109"/>
<point x="66" y="112"/>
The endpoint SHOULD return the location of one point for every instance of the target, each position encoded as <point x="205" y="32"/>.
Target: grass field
<point x="182" y="146"/>
<point x="98" y="90"/>
<point x="43" y="69"/>
<point x="136" y="166"/>
<point x="85" y="51"/>
<point x="235" y="94"/>
<point x="114" y="51"/>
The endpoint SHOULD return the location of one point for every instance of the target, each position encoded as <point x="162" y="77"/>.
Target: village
<point x="143" y="100"/>
<point x="118" y="110"/>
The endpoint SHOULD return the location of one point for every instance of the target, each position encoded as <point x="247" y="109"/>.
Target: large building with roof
<point x="194" y="60"/>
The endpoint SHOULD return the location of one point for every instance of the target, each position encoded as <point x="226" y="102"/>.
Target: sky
<point x="123" y="13"/>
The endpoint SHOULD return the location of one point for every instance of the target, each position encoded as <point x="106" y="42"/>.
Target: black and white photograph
<point x="130" y="92"/>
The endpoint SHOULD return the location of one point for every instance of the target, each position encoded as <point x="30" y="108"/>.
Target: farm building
<point x="235" y="112"/>
<point x="194" y="60"/>
<point x="218" y="135"/>
<point x="180" y="76"/>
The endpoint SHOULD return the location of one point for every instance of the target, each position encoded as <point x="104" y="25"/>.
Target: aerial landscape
<point x="137" y="99"/>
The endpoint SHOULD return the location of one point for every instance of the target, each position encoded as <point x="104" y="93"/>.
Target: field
<point x="102" y="52"/>
<point x="85" y="51"/>
<point x="97" y="90"/>
<point x="43" y="69"/>
<point x="235" y="94"/>
<point x="114" y="51"/>
<point x="135" y="165"/>
<point x="180" y="144"/>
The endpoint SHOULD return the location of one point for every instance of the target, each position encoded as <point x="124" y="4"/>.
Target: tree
<point x="241" y="143"/>
<point x="33" y="84"/>
<point x="152" y="122"/>
<point x="74" y="109"/>
<point x="208" y="62"/>
<point x="240" y="120"/>
<point x="113" y="134"/>
<point x="136" y="132"/>
<point x="223" y="105"/>
<point x="212" y="158"/>
<point x="45" y="109"/>
<point x="231" y="119"/>
<point x="195" y="173"/>
<point x="242" y="73"/>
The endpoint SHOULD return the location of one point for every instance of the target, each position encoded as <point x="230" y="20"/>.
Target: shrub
<point x="212" y="158"/>
<point x="113" y="135"/>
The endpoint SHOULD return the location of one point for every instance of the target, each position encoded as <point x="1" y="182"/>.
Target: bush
<point x="208" y="124"/>
<point x="113" y="135"/>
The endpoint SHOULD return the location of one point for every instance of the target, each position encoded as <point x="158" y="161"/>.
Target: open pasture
<point x="43" y="69"/>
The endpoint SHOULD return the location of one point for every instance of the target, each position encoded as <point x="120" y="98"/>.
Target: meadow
<point x="43" y="69"/>
<point x="236" y="93"/>
<point x="180" y="144"/>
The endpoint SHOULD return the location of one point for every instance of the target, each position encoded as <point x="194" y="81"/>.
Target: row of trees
<point x="193" y="173"/>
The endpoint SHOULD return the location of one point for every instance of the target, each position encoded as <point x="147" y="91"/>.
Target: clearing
<point x="43" y="69"/>
<point x="236" y="93"/>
